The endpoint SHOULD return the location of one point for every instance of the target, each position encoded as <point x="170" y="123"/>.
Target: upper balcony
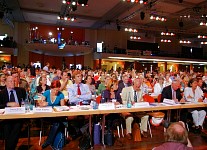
<point x="54" y="50"/>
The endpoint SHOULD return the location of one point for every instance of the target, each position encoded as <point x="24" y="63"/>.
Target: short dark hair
<point x="191" y="81"/>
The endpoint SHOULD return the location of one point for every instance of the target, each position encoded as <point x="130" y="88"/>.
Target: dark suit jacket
<point x="4" y="97"/>
<point x="167" y="93"/>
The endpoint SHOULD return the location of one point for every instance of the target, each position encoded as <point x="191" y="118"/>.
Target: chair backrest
<point x="159" y="98"/>
<point x="205" y="95"/>
<point x="148" y="98"/>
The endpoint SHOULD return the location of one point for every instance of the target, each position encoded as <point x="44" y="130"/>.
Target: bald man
<point x="176" y="138"/>
<point x="11" y="97"/>
<point x="131" y="91"/>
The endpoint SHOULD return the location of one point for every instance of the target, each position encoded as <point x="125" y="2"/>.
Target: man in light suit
<point x="135" y="94"/>
<point x="122" y="84"/>
<point x="12" y="127"/>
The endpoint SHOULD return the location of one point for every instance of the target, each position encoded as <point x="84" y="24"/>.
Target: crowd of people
<point x="75" y="87"/>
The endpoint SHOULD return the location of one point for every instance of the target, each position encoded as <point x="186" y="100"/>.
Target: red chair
<point x="98" y="99"/>
<point x="159" y="98"/>
<point x="148" y="98"/>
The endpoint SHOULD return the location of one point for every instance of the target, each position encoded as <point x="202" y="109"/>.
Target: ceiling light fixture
<point x="204" y="16"/>
<point x="203" y="23"/>
<point x="132" y="1"/>
<point x="203" y="43"/>
<point x="168" y="33"/>
<point x="130" y="30"/>
<point x="135" y="37"/>
<point x="165" y="41"/>
<point x="184" y="42"/>
<point x="67" y="17"/>
<point x="185" y="16"/>
<point x="202" y="36"/>
<point x="157" y="18"/>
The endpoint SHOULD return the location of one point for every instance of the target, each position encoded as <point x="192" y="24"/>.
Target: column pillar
<point x="99" y="63"/>
<point x="165" y="67"/>
<point x="136" y="63"/>
<point x="191" y="67"/>
<point x="74" y="60"/>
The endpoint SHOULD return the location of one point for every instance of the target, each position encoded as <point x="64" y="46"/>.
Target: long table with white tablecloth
<point x="76" y="112"/>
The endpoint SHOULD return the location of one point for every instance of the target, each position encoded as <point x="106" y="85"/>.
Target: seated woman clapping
<point x="53" y="97"/>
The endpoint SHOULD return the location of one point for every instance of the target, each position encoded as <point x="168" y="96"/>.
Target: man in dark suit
<point x="11" y="97"/>
<point x="172" y="92"/>
<point x="122" y="84"/>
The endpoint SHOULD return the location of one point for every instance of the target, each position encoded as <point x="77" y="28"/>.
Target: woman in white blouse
<point x="193" y="93"/>
<point x="159" y="86"/>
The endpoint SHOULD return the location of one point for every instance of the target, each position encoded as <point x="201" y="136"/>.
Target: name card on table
<point x="14" y="110"/>
<point x="169" y="101"/>
<point x="141" y="104"/>
<point x="42" y="109"/>
<point x="106" y="106"/>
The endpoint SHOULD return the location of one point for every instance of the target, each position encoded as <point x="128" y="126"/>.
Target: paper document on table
<point x="14" y="110"/>
<point x="141" y="104"/>
<point x="47" y="109"/>
<point x="106" y="106"/>
<point x="61" y="108"/>
<point x="2" y="111"/>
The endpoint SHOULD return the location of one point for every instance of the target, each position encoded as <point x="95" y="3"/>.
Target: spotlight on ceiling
<point x="142" y="15"/>
<point x="83" y="2"/>
<point x="181" y="24"/>
<point x="118" y="27"/>
<point x="74" y="7"/>
<point x="145" y="1"/>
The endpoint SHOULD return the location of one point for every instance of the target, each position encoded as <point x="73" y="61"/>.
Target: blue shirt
<point x="85" y="93"/>
<point x="59" y="97"/>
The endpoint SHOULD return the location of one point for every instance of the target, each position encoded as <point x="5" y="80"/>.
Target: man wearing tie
<point x="172" y="92"/>
<point x="11" y="97"/>
<point x="134" y="92"/>
<point x="78" y="92"/>
<point x="123" y="83"/>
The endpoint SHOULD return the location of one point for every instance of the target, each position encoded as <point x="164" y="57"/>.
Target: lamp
<point x="168" y="33"/>
<point x="185" y="42"/>
<point x="153" y="17"/>
<point x="83" y="2"/>
<point x="165" y="41"/>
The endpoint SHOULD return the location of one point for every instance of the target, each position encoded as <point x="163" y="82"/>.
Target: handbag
<point x="109" y="138"/>
<point x="85" y="141"/>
